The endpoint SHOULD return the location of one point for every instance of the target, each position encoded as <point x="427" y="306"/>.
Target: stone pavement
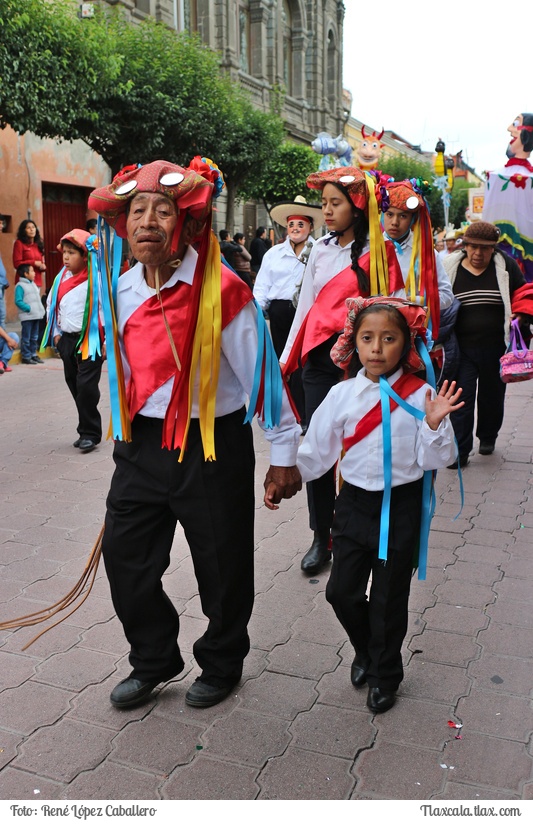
<point x="294" y="728"/>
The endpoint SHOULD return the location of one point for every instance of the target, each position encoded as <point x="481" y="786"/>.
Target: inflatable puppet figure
<point x="335" y="151"/>
<point x="509" y="196"/>
<point x="369" y="150"/>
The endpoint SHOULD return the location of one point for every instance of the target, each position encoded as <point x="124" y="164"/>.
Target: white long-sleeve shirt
<point x="280" y="272"/>
<point x="325" y="261"/>
<point x="237" y="361"/>
<point x="415" y="447"/>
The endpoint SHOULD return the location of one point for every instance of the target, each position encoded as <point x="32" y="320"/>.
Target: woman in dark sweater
<point x="483" y="280"/>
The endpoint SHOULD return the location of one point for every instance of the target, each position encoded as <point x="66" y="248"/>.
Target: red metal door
<point x="64" y="208"/>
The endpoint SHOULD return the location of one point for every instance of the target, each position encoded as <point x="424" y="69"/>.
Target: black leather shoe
<point x="380" y="700"/>
<point x="131" y="692"/>
<point x="486" y="447"/>
<point x="317" y="556"/>
<point x="201" y="694"/>
<point x="76" y="444"/>
<point x="86" y="445"/>
<point x="464" y="460"/>
<point x="37" y="359"/>
<point x="359" y="669"/>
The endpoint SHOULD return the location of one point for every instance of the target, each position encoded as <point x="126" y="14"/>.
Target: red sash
<point x="70" y="283"/>
<point x="404" y="386"/>
<point x="146" y="341"/>
<point x="327" y="315"/>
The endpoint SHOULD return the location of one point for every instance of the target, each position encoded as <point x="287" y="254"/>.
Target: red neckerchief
<point x="327" y="315"/>
<point x="520" y="161"/>
<point x="404" y="386"/>
<point x="70" y="283"/>
<point x="153" y="367"/>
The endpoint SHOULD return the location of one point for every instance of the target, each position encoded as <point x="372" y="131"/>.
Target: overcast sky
<point x="455" y="70"/>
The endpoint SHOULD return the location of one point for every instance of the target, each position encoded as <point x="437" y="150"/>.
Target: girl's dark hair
<point x="360" y="228"/>
<point x="23" y="237"/>
<point x="260" y="231"/>
<point x="238" y="236"/>
<point x="355" y="363"/>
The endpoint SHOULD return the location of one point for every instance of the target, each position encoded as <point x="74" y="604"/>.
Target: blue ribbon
<point x="93" y="319"/>
<point x="273" y="384"/>
<point x="109" y="294"/>
<point x="428" y="492"/>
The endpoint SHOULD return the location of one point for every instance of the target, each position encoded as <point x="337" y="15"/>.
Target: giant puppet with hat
<point x="508" y="198"/>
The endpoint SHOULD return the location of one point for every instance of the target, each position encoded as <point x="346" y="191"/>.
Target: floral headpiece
<point x="415" y="316"/>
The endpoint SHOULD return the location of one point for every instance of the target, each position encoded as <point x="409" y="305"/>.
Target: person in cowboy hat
<point x="372" y="533"/>
<point x="352" y="259"/>
<point x="451" y="245"/>
<point x="281" y="272"/>
<point x="189" y="456"/>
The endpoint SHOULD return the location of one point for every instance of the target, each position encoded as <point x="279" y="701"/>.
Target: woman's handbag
<point x="517" y="363"/>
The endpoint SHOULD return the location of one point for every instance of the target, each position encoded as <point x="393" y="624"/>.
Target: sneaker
<point x="5" y="367"/>
<point x="37" y="359"/>
<point x="2" y="370"/>
<point x="28" y="361"/>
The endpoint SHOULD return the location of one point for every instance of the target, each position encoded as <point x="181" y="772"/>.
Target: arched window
<point x="244" y="37"/>
<point x="332" y="67"/>
<point x="286" y="21"/>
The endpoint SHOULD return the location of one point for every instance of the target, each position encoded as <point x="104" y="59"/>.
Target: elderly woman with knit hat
<point x="353" y="259"/>
<point x="483" y="280"/>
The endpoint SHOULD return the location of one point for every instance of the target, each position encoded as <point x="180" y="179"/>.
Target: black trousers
<point x="479" y="374"/>
<point x="319" y="375"/>
<point x="376" y="626"/>
<point x="281" y="314"/>
<point x="214" y="502"/>
<point x="82" y="378"/>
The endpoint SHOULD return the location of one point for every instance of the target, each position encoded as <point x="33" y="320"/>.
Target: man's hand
<point x="281" y="482"/>
<point x="11" y="342"/>
<point x="57" y="338"/>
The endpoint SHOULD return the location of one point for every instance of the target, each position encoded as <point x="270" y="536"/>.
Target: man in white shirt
<point x="190" y="457"/>
<point x="281" y="273"/>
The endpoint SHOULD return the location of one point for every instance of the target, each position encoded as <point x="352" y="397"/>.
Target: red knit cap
<point x="190" y="191"/>
<point x="402" y="196"/>
<point x="350" y="178"/>
<point x="78" y="238"/>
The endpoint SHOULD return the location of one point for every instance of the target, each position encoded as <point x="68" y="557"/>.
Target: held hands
<point x="281" y="482"/>
<point x="444" y="403"/>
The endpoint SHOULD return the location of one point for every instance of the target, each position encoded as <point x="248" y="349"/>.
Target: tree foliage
<point x="283" y="176"/>
<point x="52" y="66"/>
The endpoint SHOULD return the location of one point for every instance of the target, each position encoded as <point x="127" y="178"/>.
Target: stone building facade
<point x="291" y="49"/>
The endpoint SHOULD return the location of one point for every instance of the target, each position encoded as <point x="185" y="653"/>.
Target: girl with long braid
<point x="353" y="259"/>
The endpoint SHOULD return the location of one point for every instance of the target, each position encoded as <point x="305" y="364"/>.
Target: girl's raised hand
<point x="442" y="404"/>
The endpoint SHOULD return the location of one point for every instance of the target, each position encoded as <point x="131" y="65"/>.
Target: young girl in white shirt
<point x="378" y="496"/>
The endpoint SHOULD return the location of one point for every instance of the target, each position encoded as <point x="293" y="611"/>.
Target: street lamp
<point x="444" y="177"/>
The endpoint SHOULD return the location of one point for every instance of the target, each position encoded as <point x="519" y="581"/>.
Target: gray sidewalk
<point x="294" y="728"/>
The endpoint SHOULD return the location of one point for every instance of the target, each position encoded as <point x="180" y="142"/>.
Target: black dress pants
<point x="214" y="502"/>
<point x="281" y="315"/>
<point x="82" y="378"/>
<point x="376" y="626"/>
<point x="319" y="375"/>
<point x="479" y="375"/>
